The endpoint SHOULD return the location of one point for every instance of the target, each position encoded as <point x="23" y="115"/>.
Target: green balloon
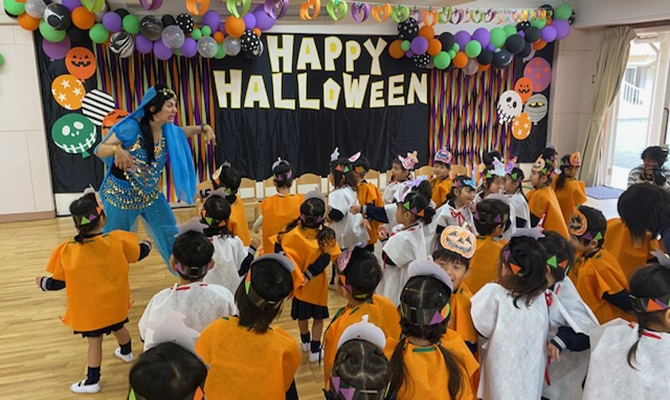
<point x="50" y="34"/>
<point x="564" y="11"/>
<point x="98" y="33"/>
<point x="405" y="45"/>
<point x="206" y="31"/>
<point x="456" y="48"/>
<point x="14" y="7"/>
<point x="442" y="60"/>
<point x="473" y="49"/>
<point x="177" y="52"/>
<point x="221" y="53"/>
<point x="509" y="30"/>
<point x="2" y="60"/>
<point x="451" y="53"/>
<point x="131" y="24"/>
<point x="498" y="37"/>
<point x="539" y="23"/>
<point x="196" y="34"/>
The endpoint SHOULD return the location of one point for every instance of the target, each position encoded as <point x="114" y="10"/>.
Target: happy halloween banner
<point x="308" y="94"/>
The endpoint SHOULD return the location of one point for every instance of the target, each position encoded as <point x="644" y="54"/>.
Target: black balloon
<point x="151" y="27"/>
<point x="185" y="22"/>
<point x="501" y="59"/>
<point x="408" y="29"/>
<point x="10" y="15"/>
<point x="122" y="12"/>
<point x="168" y="20"/>
<point x="76" y="35"/>
<point x="450" y="67"/>
<point x="447" y="40"/>
<point x="515" y="44"/>
<point x="421" y="60"/>
<point x="57" y="16"/>
<point x="249" y="41"/>
<point x="571" y="20"/>
<point x="485" y="57"/>
<point x="549" y="9"/>
<point x="526" y="50"/>
<point x="522" y="26"/>
<point x="532" y="34"/>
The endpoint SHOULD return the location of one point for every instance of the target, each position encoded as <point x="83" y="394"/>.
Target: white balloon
<point x="35" y="8"/>
<point x="207" y="47"/>
<point x="232" y="46"/>
<point x="173" y="36"/>
<point x="471" y="68"/>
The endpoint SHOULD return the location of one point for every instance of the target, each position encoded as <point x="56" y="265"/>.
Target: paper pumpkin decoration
<point x="578" y="223"/>
<point x="80" y="62"/>
<point x="509" y="106"/>
<point x="521" y="126"/>
<point x="538" y="71"/>
<point x="68" y="91"/>
<point x="74" y="134"/>
<point x="536" y="107"/>
<point x="111" y="119"/>
<point x="96" y="105"/>
<point x="524" y="87"/>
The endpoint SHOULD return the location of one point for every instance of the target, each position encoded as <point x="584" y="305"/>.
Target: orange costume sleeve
<point x="278" y="211"/>
<point x="370" y="194"/>
<point x="238" y="222"/>
<point x="596" y="276"/>
<point x="571" y="195"/>
<point x="543" y="202"/>
<point x="238" y="357"/>
<point x="460" y="320"/>
<point x="441" y="188"/>
<point x="631" y="256"/>
<point x="484" y="264"/>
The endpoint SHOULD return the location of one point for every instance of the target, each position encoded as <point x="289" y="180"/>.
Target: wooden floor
<point x="40" y="357"/>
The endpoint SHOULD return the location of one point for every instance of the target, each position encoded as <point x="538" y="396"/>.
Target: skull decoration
<point x="74" y="134"/>
<point x="509" y="106"/>
<point x="536" y="107"/>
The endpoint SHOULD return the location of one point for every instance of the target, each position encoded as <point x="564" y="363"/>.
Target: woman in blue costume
<point x="135" y="151"/>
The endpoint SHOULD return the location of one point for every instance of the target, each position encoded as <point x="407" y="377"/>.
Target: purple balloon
<point x="548" y="34"/>
<point x="483" y="36"/>
<point x="249" y="21"/>
<point x="419" y="45"/>
<point x="409" y="54"/>
<point x="462" y="38"/>
<point x="56" y="51"/>
<point x="562" y="28"/>
<point x="143" y="45"/>
<point x="212" y="19"/>
<point x="222" y="28"/>
<point x="189" y="48"/>
<point x="71" y="4"/>
<point x="490" y="47"/>
<point x="112" y="22"/>
<point x="161" y="51"/>
<point x="263" y="20"/>
<point x="522" y="34"/>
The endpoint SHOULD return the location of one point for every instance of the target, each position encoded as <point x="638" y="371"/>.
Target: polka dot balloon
<point x="185" y="22"/>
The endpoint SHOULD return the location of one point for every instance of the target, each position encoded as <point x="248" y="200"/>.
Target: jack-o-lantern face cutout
<point x="80" y="62"/>
<point x="578" y="223"/>
<point x="575" y="159"/>
<point x="539" y="165"/>
<point x="460" y="241"/>
<point x="111" y="119"/>
<point x="524" y="87"/>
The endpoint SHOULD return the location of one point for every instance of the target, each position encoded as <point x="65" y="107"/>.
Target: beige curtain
<point x="610" y="69"/>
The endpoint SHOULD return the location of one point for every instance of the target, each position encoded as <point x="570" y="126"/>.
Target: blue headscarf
<point x="181" y="161"/>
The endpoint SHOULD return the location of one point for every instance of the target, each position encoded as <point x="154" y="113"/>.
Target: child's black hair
<point x="343" y="173"/>
<point x="488" y="211"/>
<point x="556" y="245"/>
<point x="457" y="186"/>
<point x="194" y="252"/>
<point x="81" y="210"/>
<point x="550" y="155"/>
<point x="650" y="282"/>
<point x="362" y="166"/>
<point x="312" y="215"/>
<point x="363" y="272"/>
<point x="490" y="156"/>
<point x="215" y="211"/>
<point x="451" y="257"/>
<point x="167" y="372"/>
<point x="272" y="282"/>
<point x="549" y="171"/>
<point x="424" y="189"/>
<point x="446" y="165"/>
<point x="655" y="153"/>
<point x="531" y="279"/>
<point x="283" y="175"/>
<point x="230" y="179"/>
<point x="520" y="176"/>
<point x="362" y="365"/>
<point x="564" y="166"/>
<point x="425" y="292"/>
<point x="418" y="204"/>
<point x="153" y="107"/>
<point x="645" y="208"/>
<point x="596" y="223"/>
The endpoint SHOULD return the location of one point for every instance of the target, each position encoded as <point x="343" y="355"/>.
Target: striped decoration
<point x="96" y="105"/>
<point x="127" y="79"/>
<point x="463" y="116"/>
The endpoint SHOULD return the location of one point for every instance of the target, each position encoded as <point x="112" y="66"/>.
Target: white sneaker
<point x="305" y="348"/>
<point x="315" y="357"/>
<point x="81" y="387"/>
<point x="125" y="357"/>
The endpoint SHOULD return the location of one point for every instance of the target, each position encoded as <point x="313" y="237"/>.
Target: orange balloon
<point x="427" y="31"/>
<point x="524" y="86"/>
<point x="258" y="32"/>
<point x="539" y="45"/>
<point x="234" y="26"/>
<point x="395" y="49"/>
<point x="80" y="62"/>
<point x="219" y="36"/>
<point x="82" y="18"/>
<point x="483" y="68"/>
<point x="434" y="47"/>
<point x="521" y="126"/>
<point x="461" y="60"/>
<point x="28" y="23"/>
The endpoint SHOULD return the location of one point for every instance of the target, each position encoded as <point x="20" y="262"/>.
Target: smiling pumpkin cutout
<point x="111" y="119"/>
<point x="80" y="62"/>
<point x="524" y="87"/>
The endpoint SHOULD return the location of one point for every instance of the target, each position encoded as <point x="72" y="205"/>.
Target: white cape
<point x="229" y="252"/>
<point x="348" y="231"/>
<point x="402" y="248"/>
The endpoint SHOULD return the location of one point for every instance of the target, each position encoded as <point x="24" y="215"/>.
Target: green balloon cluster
<point x="220" y="53"/>
<point x="50" y="34"/>
<point x="14" y="7"/>
<point x="498" y="37"/>
<point x="473" y="49"/>
<point x="196" y="34"/>
<point x="442" y="60"/>
<point x="98" y="33"/>
<point x="406" y="45"/>
<point x="564" y="11"/>
<point x="206" y="31"/>
<point x="131" y="24"/>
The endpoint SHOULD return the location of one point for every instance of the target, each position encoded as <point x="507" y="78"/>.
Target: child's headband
<point x="364" y="330"/>
<point x="458" y="240"/>
<point x="470" y="181"/>
<point x="517" y="249"/>
<point x="579" y="226"/>
<point x="355" y="157"/>
<point x="498" y="169"/>
<point x="410" y="161"/>
<point x="443" y="155"/>
<point x="574" y="160"/>
<point x="254" y="297"/>
<point x="646" y="305"/>
<point x="192" y="272"/>
<point x="511" y="164"/>
<point x="91" y="215"/>
<point x="540" y="166"/>
<point x="335" y="155"/>
<point x="426" y="316"/>
<point x="342" y="264"/>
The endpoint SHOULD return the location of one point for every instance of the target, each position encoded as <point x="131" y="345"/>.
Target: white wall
<point x="25" y="180"/>
<point x="591" y="13"/>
